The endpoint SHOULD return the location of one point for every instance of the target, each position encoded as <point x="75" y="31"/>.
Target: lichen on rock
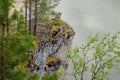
<point x="50" y="54"/>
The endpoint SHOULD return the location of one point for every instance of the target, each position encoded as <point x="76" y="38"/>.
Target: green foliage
<point x="44" y="19"/>
<point x="46" y="9"/>
<point x="15" y="14"/>
<point x="104" y="53"/>
<point x="58" y="22"/>
<point x="17" y="44"/>
<point x="55" y="75"/>
<point x="1" y="5"/>
<point x="35" y="76"/>
<point x="17" y="19"/>
<point x="97" y="57"/>
<point x="5" y="6"/>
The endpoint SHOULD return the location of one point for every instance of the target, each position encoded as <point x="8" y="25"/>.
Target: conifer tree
<point x="35" y="21"/>
<point x="46" y="9"/>
<point x="30" y="8"/>
<point x="4" y="8"/>
<point x="14" y="46"/>
<point x="26" y="2"/>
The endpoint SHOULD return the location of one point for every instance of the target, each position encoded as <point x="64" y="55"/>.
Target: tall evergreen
<point x="30" y="8"/>
<point x="35" y="21"/>
<point x="2" y="52"/>
<point x="15" y="46"/>
<point x="26" y="2"/>
<point x="4" y="8"/>
<point x="46" y="9"/>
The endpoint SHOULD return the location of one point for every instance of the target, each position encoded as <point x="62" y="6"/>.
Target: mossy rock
<point x="52" y="58"/>
<point x="55" y="28"/>
<point x="72" y="33"/>
<point x="58" y="22"/>
<point x="55" y="40"/>
<point x="64" y="63"/>
<point x="69" y="31"/>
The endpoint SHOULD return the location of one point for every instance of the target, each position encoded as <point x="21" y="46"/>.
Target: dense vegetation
<point x="16" y="42"/>
<point x="17" y="39"/>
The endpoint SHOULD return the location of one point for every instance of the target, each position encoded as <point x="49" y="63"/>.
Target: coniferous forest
<point x="36" y="44"/>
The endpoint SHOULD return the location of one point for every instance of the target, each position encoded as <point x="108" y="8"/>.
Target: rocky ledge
<point x="50" y="54"/>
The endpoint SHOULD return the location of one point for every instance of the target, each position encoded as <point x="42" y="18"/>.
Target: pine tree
<point x="4" y="8"/>
<point x="14" y="46"/>
<point x="30" y="4"/>
<point x="46" y="9"/>
<point x="26" y="12"/>
<point x="35" y="21"/>
<point x="2" y="52"/>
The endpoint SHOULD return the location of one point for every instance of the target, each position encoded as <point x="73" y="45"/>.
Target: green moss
<point x="58" y="22"/>
<point x="52" y="58"/>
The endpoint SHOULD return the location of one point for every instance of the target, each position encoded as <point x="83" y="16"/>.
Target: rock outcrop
<point x="50" y="54"/>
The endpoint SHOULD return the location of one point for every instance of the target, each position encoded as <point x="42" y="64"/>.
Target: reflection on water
<point x="91" y="16"/>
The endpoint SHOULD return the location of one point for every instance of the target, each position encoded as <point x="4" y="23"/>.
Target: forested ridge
<point x="18" y="36"/>
<point x="35" y="44"/>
